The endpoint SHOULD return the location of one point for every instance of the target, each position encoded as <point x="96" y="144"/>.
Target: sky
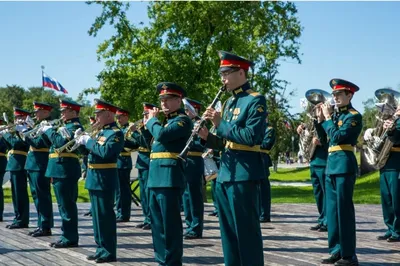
<point x="356" y="41"/>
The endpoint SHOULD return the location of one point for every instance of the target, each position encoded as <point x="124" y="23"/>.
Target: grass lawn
<point x="366" y="190"/>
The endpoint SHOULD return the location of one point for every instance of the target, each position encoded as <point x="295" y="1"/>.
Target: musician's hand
<point x="132" y="128"/>
<point x="368" y="134"/>
<point x="153" y="113"/>
<point x="203" y="133"/>
<point x="45" y="128"/>
<point x="326" y="111"/>
<point x="77" y="133"/>
<point x="388" y="124"/>
<point x="21" y="128"/>
<point x="83" y="139"/>
<point x="316" y="141"/>
<point x="300" y="129"/>
<point x="213" y="115"/>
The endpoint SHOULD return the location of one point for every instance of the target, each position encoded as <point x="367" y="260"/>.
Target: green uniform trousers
<point x="265" y="199"/>
<point x="104" y="223"/>
<point x="19" y="195"/>
<point x="318" y="184"/>
<point x="390" y="200"/>
<point x="144" y="194"/>
<point x="123" y="196"/>
<point x="193" y="207"/>
<point x="238" y="210"/>
<point x="1" y="195"/>
<point x="66" y="192"/>
<point x="213" y="196"/>
<point x="166" y="225"/>
<point x="340" y="214"/>
<point x="40" y="190"/>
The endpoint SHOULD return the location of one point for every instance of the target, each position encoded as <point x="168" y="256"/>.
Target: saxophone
<point x="314" y="98"/>
<point x="378" y="146"/>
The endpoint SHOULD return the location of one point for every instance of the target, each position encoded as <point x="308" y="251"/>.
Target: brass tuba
<point x="314" y="97"/>
<point x="379" y="145"/>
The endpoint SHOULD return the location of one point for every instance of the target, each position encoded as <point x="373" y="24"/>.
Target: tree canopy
<point x="181" y="42"/>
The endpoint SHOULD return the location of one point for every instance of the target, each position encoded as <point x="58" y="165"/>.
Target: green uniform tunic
<point x="3" y="164"/>
<point x="166" y="183"/>
<point x="390" y="186"/>
<point x="317" y="170"/>
<point x="123" y="197"/>
<point x="143" y="137"/>
<point x="193" y="204"/>
<point x="65" y="171"/>
<point x="18" y="151"/>
<point x="265" y="185"/>
<point x="36" y="165"/>
<point x="102" y="181"/>
<point x="341" y="171"/>
<point x="242" y="131"/>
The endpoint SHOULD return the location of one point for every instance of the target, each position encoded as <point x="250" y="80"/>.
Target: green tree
<point x="11" y="95"/>
<point x="181" y="43"/>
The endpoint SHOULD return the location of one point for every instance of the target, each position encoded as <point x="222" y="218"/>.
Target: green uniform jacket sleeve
<point x="394" y="135"/>
<point x="55" y="138"/>
<point x="13" y="141"/>
<point x="249" y="134"/>
<point x="37" y="142"/>
<point x="214" y="142"/>
<point x="269" y="139"/>
<point x="321" y="134"/>
<point x="173" y="132"/>
<point x="131" y="143"/>
<point x="111" y="148"/>
<point x="351" y="127"/>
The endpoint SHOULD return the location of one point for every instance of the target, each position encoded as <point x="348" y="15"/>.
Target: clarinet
<point x="195" y="132"/>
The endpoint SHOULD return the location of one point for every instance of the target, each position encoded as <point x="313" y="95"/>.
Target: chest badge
<point x="340" y="123"/>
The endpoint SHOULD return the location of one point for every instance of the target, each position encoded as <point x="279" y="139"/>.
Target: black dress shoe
<point x="315" y="228"/>
<point x="265" y="220"/>
<point x="192" y="235"/>
<point x="42" y="232"/>
<point x="34" y="231"/>
<point x="139" y="225"/>
<point x="213" y="214"/>
<point x="120" y="220"/>
<point x="146" y="227"/>
<point x="323" y="228"/>
<point x="60" y="244"/>
<point x="353" y="261"/>
<point x="92" y="257"/>
<point x="16" y="226"/>
<point x="87" y="213"/>
<point x="104" y="260"/>
<point x="393" y="239"/>
<point x="332" y="259"/>
<point x="384" y="237"/>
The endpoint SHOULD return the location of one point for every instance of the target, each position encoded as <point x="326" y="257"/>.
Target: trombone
<point x="72" y="145"/>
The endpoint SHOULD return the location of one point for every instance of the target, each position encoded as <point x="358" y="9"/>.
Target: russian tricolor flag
<point x="52" y="83"/>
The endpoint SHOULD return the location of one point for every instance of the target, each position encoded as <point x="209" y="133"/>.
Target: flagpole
<point x="42" y="67"/>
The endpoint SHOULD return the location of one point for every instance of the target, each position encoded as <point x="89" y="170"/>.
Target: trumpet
<point x="137" y="125"/>
<point x="189" y="143"/>
<point x="72" y="145"/>
<point x="11" y="126"/>
<point x="37" y="130"/>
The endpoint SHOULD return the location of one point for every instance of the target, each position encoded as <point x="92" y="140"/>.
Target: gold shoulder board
<point x="353" y="112"/>
<point x="252" y="93"/>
